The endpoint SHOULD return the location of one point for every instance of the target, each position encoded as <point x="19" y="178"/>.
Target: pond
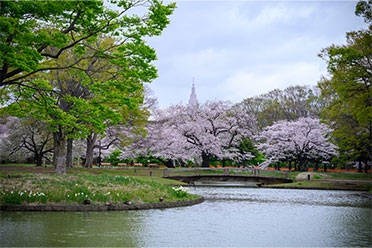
<point x="230" y="216"/>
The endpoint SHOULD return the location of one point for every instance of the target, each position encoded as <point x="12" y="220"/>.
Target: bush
<point x="114" y="157"/>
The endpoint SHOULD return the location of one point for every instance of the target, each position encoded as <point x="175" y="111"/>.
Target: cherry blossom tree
<point x="213" y="129"/>
<point x="24" y="139"/>
<point x="162" y="141"/>
<point x="304" y="140"/>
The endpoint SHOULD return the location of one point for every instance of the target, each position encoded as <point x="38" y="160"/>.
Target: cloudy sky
<point x="240" y="49"/>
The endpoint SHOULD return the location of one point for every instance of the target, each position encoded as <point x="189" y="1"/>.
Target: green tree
<point x="247" y="145"/>
<point x="33" y="32"/>
<point x="364" y="9"/>
<point x="98" y="92"/>
<point x="349" y="90"/>
<point x="71" y="94"/>
<point x="288" y="104"/>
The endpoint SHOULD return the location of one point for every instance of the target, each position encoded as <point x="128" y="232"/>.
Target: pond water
<point x="230" y="216"/>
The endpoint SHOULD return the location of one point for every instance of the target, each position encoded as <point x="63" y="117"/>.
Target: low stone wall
<point x="83" y="208"/>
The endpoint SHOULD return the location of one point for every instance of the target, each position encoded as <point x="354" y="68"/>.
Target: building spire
<point x="193" y="100"/>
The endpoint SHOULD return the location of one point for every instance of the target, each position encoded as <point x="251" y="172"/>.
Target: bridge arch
<point x="193" y="175"/>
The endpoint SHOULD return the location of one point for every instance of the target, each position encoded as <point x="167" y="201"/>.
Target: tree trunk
<point x="366" y="167"/>
<point x="316" y="166"/>
<point x="60" y="143"/>
<point x="69" y="153"/>
<point x="303" y="165"/>
<point x="91" y="141"/>
<point x="370" y="147"/>
<point x="169" y="163"/>
<point x="244" y="163"/>
<point x="39" y="159"/>
<point x="359" y="165"/>
<point x="205" y="160"/>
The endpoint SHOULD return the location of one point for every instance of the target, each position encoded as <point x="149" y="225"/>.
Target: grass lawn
<point x="22" y="185"/>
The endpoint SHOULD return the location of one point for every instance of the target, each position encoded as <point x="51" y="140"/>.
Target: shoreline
<point x="90" y="208"/>
<point x="327" y="184"/>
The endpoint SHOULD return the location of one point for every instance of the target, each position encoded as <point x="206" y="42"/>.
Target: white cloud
<point x="237" y="49"/>
<point x="282" y="13"/>
<point x="250" y="83"/>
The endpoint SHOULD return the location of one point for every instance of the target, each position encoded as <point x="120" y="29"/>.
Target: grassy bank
<point x="330" y="181"/>
<point x="79" y="185"/>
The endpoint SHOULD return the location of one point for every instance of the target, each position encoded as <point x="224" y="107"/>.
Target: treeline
<point x="75" y="89"/>
<point x="75" y="69"/>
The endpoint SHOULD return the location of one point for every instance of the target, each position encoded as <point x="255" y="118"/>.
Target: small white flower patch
<point x="181" y="191"/>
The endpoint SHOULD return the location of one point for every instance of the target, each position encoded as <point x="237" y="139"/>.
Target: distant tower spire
<point x="193" y="100"/>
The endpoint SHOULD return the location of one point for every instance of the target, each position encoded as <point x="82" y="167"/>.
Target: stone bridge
<point x="196" y="175"/>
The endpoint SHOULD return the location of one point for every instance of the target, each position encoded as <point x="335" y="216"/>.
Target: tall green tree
<point x="64" y="87"/>
<point x="349" y="90"/>
<point x="288" y="104"/>
<point x="98" y="92"/>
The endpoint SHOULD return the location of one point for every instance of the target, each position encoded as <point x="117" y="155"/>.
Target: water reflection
<point x="70" y="229"/>
<point x="229" y="217"/>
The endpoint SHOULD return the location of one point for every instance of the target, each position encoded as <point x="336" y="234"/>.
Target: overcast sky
<point x="240" y="49"/>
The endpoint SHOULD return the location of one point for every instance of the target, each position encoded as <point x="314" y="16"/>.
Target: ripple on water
<point x="287" y="196"/>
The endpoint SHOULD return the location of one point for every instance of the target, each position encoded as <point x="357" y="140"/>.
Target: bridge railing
<point x="225" y="171"/>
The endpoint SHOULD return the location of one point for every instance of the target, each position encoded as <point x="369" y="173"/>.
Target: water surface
<point x="230" y="216"/>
